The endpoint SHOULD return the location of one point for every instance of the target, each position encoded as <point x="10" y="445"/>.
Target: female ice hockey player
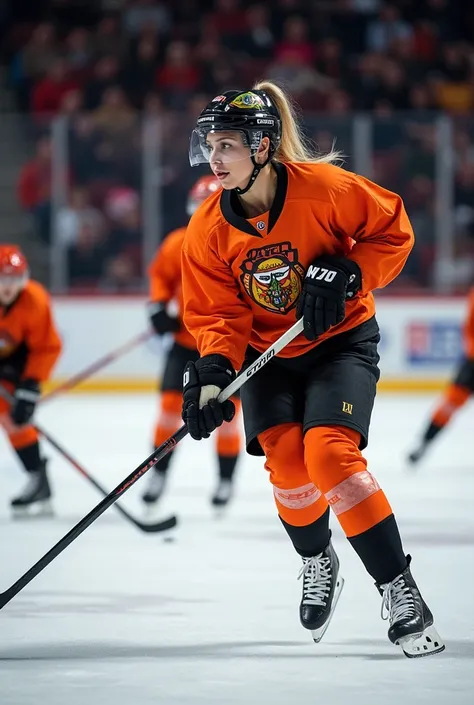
<point x="293" y="235"/>
<point x="29" y="349"/>
<point x="457" y="393"/>
<point x="165" y="287"/>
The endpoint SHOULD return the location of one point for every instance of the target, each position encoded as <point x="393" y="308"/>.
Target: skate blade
<point x="428" y="643"/>
<point x="38" y="510"/>
<point x="220" y="511"/>
<point x="318" y="634"/>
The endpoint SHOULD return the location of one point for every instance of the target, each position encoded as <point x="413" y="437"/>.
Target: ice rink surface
<point x="124" y="618"/>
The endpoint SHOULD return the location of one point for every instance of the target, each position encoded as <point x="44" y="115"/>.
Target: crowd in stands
<point x="112" y="65"/>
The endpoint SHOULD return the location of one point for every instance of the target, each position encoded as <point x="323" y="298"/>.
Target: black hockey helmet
<point x="252" y="113"/>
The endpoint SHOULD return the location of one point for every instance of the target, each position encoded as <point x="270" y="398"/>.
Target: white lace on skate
<point x="155" y="484"/>
<point x="316" y="574"/>
<point x="397" y="601"/>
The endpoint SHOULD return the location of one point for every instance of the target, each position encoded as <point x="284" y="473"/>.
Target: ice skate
<point x="223" y="493"/>
<point x="35" y="499"/>
<point x="416" y="455"/>
<point x="322" y="585"/>
<point x="411" y="621"/>
<point x="156" y="487"/>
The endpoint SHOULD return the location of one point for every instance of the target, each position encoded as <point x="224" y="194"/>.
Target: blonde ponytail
<point x="293" y="146"/>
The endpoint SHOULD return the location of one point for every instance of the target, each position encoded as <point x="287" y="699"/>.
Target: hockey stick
<point x="163" y="525"/>
<point x="96" y="366"/>
<point x="152" y="459"/>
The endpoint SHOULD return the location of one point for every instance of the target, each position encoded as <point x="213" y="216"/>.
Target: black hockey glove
<point x="24" y="401"/>
<point x="202" y="384"/>
<point x="329" y="281"/>
<point x="160" y="320"/>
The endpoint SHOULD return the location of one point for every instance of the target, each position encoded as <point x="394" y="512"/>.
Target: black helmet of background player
<point x="252" y="113"/>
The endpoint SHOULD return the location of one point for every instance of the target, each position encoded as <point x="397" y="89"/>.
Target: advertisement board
<point x="421" y="342"/>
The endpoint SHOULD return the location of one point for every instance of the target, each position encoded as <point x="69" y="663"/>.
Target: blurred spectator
<point x="229" y="18"/>
<point x="425" y="40"/>
<point x="32" y="61"/>
<point x="78" y="53"/>
<point x="122" y="205"/>
<point x="366" y="79"/>
<point x="142" y="14"/>
<point x="86" y="257"/>
<point x="338" y="102"/>
<point x="108" y="40"/>
<point x="71" y="103"/>
<point x="220" y="78"/>
<point x="139" y="76"/>
<point x="120" y="276"/>
<point x="454" y="89"/>
<point x="258" y="41"/>
<point x="114" y="116"/>
<point x="105" y="74"/>
<point x="295" y="44"/>
<point x="79" y="213"/>
<point x="49" y="91"/>
<point x="34" y="189"/>
<point x="331" y="62"/>
<point x="388" y="27"/>
<point x="179" y="76"/>
<point x="392" y="87"/>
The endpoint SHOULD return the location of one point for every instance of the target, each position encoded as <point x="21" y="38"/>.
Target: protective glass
<point x="234" y="149"/>
<point x="8" y="280"/>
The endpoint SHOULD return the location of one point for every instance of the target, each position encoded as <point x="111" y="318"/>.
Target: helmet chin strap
<point x="256" y="171"/>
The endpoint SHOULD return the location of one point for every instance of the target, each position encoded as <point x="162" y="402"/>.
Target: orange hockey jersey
<point x="242" y="277"/>
<point x="469" y="326"/>
<point x="29" y="341"/>
<point x="165" y="280"/>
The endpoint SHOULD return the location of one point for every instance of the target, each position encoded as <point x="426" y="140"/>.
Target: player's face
<point x="10" y="287"/>
<point x="230" y="159"/>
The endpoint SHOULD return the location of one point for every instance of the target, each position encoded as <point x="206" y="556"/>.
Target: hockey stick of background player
<point x="157" y="454"/>
<point x="162" y="525"/>
<point x="98" y="365"/>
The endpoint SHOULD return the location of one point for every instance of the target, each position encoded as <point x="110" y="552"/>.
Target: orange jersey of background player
<point x="29" y="341"/>
<point x="242" y="278"/>
<point x="165" y="280"/>
<point x="468" y="328"/>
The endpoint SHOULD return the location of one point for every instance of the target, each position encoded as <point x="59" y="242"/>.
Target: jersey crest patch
<point x="272" y="277"/>
<point x="7" y="343"/>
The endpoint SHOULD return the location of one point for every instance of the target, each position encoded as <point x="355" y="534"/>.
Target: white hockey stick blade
<point x="427" y="644"/>
<point x="265" y="357"/>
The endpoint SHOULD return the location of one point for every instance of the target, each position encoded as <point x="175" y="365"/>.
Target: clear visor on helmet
<point x="224" y="146"/>
<point x="13" y="280"/>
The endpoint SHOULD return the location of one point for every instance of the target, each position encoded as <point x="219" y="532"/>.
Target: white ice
<point x="124" y="618"/>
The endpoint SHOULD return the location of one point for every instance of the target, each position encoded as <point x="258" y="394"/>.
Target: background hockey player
<point x="29" y="348"/>
<point x="458" y="391"/>
<point x="292" y="235"/>
<point x="165" y="286"/>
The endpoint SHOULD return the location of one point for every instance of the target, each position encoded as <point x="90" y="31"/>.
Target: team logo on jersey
<point x="7" y="344"/>
<point x="272" y="277"/>
<point x="247" y="100"/>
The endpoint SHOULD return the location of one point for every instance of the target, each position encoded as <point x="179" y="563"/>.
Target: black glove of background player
<point x="24" y="401"/>
<point x="329" y="281"/>
<point x="202" y="384"/>
<point x="160" y="320"/>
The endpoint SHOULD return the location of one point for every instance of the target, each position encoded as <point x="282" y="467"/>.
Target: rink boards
<point x="421" y="342"/>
